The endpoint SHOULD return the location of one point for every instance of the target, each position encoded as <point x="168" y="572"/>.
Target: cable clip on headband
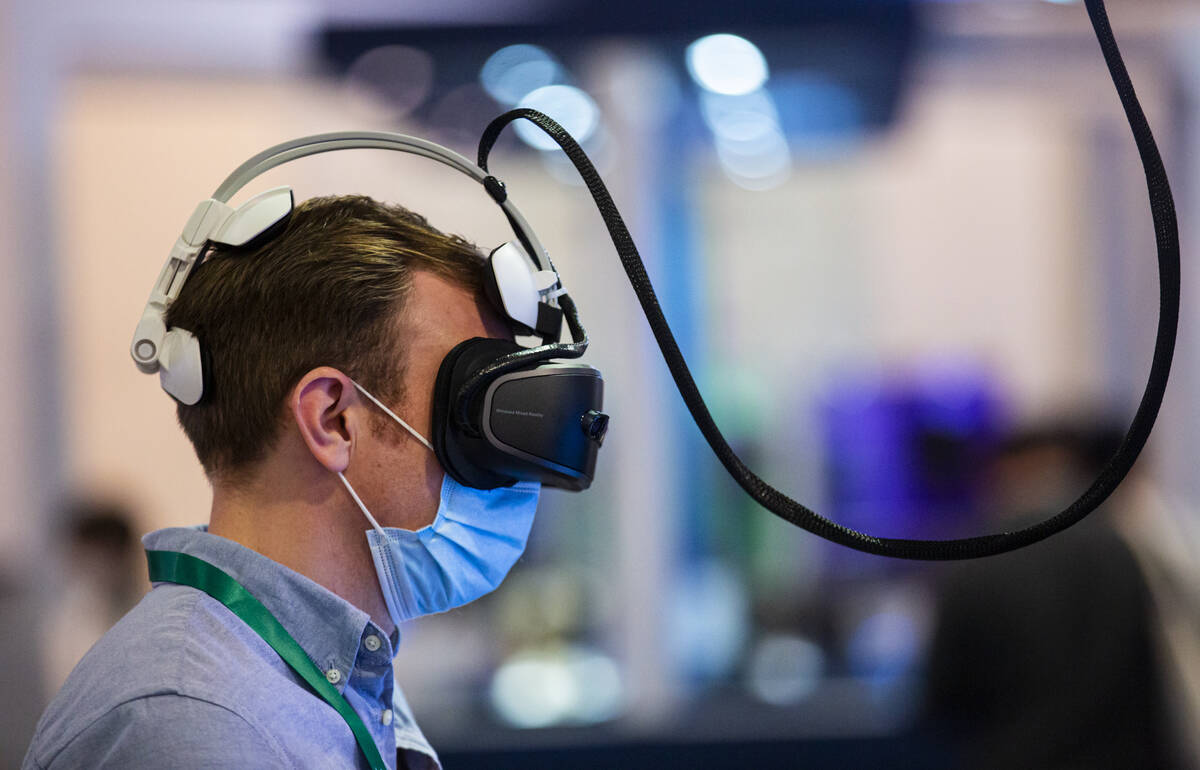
<point x="487" y="390"/>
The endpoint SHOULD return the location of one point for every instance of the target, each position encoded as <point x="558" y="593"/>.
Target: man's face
<point x="402" y="480"/>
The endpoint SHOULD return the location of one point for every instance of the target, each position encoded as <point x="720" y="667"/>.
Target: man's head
<point x="102" y="550"/>
<point x="331" y="290"/>
<point x="1044" y="467"/>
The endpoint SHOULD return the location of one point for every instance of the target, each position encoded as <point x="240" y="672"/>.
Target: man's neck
<point x="310" y="529"/>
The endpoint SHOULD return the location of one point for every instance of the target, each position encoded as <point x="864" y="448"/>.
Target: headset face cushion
<point x="458" y="451"/>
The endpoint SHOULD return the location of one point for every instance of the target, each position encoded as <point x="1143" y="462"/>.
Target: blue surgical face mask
<point x="474" y="541"/>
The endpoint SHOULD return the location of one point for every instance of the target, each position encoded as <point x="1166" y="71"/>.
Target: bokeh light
<point x="785" y="669"/>
<point x="750" y="143"/>
<point x="727" y="64"/>
<point x="571" y="684"/>
<point x="516" y="70"/>
<point x="398" y="76"/>
<point x="570" y="106"/>
<point x="458" y="116"/>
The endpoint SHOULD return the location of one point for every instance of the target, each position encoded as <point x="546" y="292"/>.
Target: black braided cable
<point x="1162" y="209"/>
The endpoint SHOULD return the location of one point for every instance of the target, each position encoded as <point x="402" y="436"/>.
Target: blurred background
<point x="905" y="246"/>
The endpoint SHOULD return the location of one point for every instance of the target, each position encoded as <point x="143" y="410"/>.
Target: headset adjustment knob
<point x="595" y="425"/>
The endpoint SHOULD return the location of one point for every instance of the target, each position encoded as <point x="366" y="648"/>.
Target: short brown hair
<point x="324" y="292"/>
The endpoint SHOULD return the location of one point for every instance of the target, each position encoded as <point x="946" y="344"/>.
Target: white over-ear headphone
<point x="515" y="282"/>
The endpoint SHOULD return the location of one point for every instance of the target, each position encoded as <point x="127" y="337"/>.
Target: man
<point x="319" y="342"/>
<point x="1044" y="658"/>
<point x="102" y="581"/>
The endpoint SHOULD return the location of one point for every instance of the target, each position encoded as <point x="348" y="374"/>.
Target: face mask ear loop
<point x="395" y="417"/>
<point x="361" y="507"/>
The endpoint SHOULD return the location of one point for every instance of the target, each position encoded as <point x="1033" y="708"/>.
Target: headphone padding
<point x="450" y="444"/>
<point x="182" y="372"/>
<point x="491" y="288"/>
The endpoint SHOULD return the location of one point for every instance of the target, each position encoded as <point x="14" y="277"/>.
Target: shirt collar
<point x="327" y="627"/>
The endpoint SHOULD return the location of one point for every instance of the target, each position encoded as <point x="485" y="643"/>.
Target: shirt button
<point x="387" y="717"/>
<point x="372" y="642"/>
<point x="333" y="676"/>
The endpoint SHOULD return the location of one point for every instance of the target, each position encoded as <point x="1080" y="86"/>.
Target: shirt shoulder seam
<point x="269" y="739"/>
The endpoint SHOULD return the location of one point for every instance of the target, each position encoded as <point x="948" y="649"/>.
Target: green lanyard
<point x="175" y="567"/>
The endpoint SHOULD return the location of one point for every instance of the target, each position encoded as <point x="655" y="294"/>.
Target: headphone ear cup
<point x="181" y="367"/>
<point x="455" y="447"/>
<point x="508" y="283"/>
<point x="491" y="289"/>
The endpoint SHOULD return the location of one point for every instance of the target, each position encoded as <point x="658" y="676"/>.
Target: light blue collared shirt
<point x="181" y="681"/>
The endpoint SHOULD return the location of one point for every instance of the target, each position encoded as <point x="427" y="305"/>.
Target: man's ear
<point x="319" y="403"/>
